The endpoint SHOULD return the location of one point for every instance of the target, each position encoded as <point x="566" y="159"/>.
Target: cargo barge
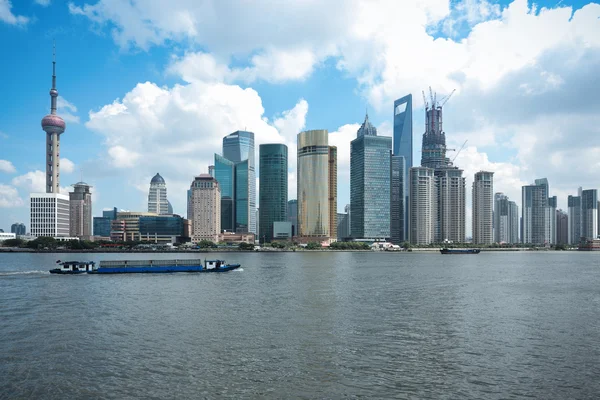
<point x="143" y="266"/>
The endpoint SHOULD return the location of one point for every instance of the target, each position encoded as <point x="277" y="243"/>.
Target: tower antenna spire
<point x="53" y="91"/>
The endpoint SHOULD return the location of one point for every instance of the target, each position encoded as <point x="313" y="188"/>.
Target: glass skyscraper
<point x="370" y="183"/>
<point x="224" y="171"/>
<point x="292" y="213"/>
<point x="273" y="178"/>
<point x="238" y="147"/>
<point x="403" y="147"/>
<point x="398" y="234"/>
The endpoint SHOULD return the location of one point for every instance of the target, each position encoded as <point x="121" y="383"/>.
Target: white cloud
<point x="34" y="182"/>
<point x="3" y="135"/>
<point x="9" y="197"/>
<point x="66" y="110"/>
<point x="7" y="166"/>
<point x="66" y="166"/>
<point x="8" y="17"/>
<point x="43" y="3"/>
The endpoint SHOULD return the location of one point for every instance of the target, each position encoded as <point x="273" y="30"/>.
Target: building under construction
<point x="450" y="184"/>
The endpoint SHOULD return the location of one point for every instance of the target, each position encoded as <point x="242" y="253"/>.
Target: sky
<point x="151" y="86"/>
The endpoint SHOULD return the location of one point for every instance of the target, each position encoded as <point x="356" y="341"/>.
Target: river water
<point x="306" y="325"/>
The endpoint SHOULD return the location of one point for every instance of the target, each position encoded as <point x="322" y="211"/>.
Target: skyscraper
<point x="589" y="214"/>
<point x="18" y="229"/>
<point x="332" y="196"/>
<point x="423" y="206"/>
<point x="292" y="213"/>
<point x="224" y="173"/>
<point x="273" y="178"/>
<point x="49" y="212"/>
<point x="157" y="196"/>
<point x="539" y="214"/>
<point x="562" y="227"/>
<point x="238" y="147"/>
<point x="398" y="232"/>
<point x="506" y="220"/>
<point x="80" y="203"/>
<point x="451" y="185"/>
<point x="403" y="147"/>
<point x="204" y="208"/>
<point x="313" y="184"/>
<point x="370" y="183"/>
<point x="483" y="188"/>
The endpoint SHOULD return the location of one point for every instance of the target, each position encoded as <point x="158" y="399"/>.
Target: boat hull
<point x="62" y="272"/>
<point x="165" y="269"/>
<point x="460" y="251"/>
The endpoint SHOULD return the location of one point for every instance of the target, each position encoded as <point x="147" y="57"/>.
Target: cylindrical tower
<point x="313" y="183"/>
<point x="53" y="125"/>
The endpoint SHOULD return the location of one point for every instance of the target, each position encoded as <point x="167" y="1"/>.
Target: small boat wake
<point x="238" y="270"/>
<point x="13" y="273"/>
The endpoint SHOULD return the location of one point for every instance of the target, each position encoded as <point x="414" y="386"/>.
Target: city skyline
<point x="108" y="148"/>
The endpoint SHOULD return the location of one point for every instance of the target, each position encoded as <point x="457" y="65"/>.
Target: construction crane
<point x="431" y="96"/>
<point x="425" y="104"/>
<point x="445" y="99"/>
<point x="459" y="150"/>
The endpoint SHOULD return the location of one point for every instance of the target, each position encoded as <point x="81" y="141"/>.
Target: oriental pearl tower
<point x="53" y="125"/>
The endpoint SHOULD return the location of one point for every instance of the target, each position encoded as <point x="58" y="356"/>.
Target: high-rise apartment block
<point x="506" y="220"/>
<point x="332" y="182"/>
<point x="313" y="185"/>
<point x="273" y="170"/>
<point x="538" y="214"/>
<point x="204" y="208"/>
<point x="589" y="214"/>
<point x="403" y="151"/>
<point x="483" y="189"/>
<point x="370" y="183"/>
<point x="80" y="204"/>
<point x="423" y="206"/>
<point x="562" y="227"/>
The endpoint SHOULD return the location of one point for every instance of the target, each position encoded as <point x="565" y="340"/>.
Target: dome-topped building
<point x="157" y="196"/>
<point x="54" y="126"/>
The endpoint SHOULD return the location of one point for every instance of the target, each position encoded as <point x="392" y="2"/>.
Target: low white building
<point x="5" y="236"/>
<point x="49" y="214"/>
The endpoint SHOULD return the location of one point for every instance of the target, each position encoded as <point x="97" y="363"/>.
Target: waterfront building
<point x="157" y="196"/>
<point x="332" y="185"/>
<point x="204" y="208"/>
<point x="370" y="183"/>
<point x="538" y="214"/>
<point x="273" y="178"/>
<point x="398" y="203"/>
<point x="18" y="228"/>
<point x="423" y="206"/>
<point x="80" y="205"/>
<point x="562" y="227"/>
<point x="282" y="230"/>
<point x="6" y="236"/>
<point x="238" y="147"/>
<point x="506" y="220"/>
<point x="292" y="213"/>
<point x="126" y="227"/>
<point x="342" y="228"/>
<point x="589" y="214"/>
<point x="403" y="147"/>
<point x="574" y="210"/>
<point x="49" y="214"/>
<point x="451" y="203"/>
<point x="102" y="226"/>
<point x="161" y="228"/>
<point x="483" y="189"/>
<point x="313" y="187"/>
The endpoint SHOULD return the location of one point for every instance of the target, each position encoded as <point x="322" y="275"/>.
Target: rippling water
<point x="306" y="325"/>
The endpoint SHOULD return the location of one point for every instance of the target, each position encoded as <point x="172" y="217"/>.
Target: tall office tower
<point x="370" y="183"/>
<point x="224" y="173"/>
<point x="483" y="188"/>
<point x="49" y="212"/>
<point x="589" y="214"/>
<point x="562" y="227"/>
<point x="342" y="228"/>
<point x="80" y="204"/>
<point x="157" y="196"/>
<point x="423" y="206"/>
<point x="238" y="147"/>
<point x="574" y="210"/>
<point x="332" y="176"/>
<point x="204" y="208"/>
<point x="313" y="184"/>
<point x="398" y="233"/>
<point x="539" y="214"/>
<point x="506" y="220"/>
<point x="54" y="126"/>
<point x="292" y="213"/>
<point x="451" y="203"/>
<point x="273" y="178"/>
<point x="18" y="228"/>
<point x="403" y="147"/>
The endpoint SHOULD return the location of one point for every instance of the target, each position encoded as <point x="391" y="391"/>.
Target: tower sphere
<point x="52" y="123"/>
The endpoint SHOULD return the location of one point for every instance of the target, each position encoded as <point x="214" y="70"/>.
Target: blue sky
<point x="153" y="87"/>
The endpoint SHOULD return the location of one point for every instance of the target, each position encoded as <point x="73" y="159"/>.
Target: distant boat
<point x="459" y="251"/>
<point x="143" y="266"/>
